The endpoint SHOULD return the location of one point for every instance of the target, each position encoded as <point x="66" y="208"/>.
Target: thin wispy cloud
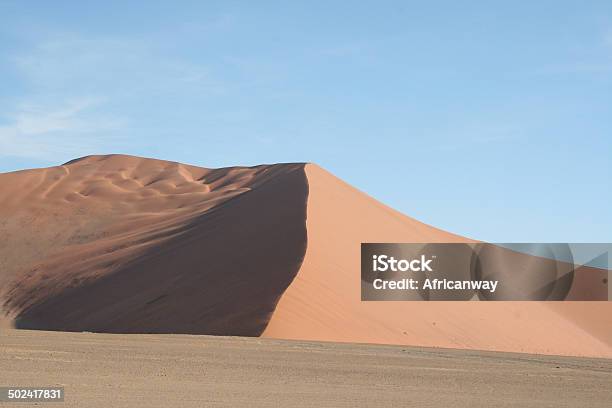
<point x="36" y="131"/>
<point x="76" y="86"/>
<point x="105" y="65"/>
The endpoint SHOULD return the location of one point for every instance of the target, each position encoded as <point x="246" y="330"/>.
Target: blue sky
<point x="489" y="119"/>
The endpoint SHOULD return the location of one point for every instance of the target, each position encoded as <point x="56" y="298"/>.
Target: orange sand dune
<point x="323" y="302"/>
<point x="125" y="244"/>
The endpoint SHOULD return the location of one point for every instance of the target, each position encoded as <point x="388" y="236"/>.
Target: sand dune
<point x="323" y="302"/>
<point x="124" y="244"/>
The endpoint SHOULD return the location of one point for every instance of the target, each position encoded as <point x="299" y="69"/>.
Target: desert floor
<point x="102" y="370"/>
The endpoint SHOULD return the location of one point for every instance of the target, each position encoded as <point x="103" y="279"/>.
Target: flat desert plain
<point x="160" y="370"/>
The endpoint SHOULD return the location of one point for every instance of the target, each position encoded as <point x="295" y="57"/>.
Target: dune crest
<point x="130" y="245"/>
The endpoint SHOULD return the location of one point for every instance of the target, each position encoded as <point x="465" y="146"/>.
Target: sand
<point x="129" y="245"/>
<point x="106" y="370"/>
<point x="323" y="302"/>
<point x="122" y="244"/>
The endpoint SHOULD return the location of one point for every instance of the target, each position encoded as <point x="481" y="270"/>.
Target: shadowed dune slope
<point x="123" y="244"/>
<point x="323" y="302"/>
